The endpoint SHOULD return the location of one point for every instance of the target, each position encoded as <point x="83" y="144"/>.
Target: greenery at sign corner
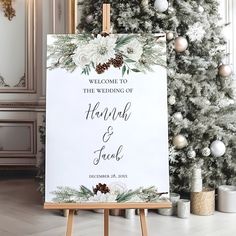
<point x="205" y="100"/>
<point x="67" y="50"/>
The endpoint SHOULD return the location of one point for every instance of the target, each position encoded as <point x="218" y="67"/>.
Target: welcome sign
<point x="107" y="134"/>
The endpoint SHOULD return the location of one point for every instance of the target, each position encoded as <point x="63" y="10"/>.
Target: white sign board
<point x="106" y="117"/>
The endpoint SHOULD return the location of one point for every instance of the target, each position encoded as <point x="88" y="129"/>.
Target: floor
<point x="22" y="214"/>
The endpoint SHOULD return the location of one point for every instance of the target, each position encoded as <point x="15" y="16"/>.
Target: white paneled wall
<point x="22" y="107"/>
<point x="9" y="30"/>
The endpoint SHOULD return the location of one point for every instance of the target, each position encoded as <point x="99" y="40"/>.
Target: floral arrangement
<point x="127" y="52"/>
<point x="115" y="192"/>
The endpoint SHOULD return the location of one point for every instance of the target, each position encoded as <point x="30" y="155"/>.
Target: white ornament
<point x="169" y="36"/>
<point x="178" y="116"/>
<point x="89" y="19"/>
<point x="206" y="152"/>
<point x="171" y="100"/>
<point x="200" y="9"/>
<point x="179" y="141"/>
<point x="225" y="70"/>
<point x="191" y="154"/>
<point x="218" y="148"/>
<point x="196" y="32"/>
<point x="161" y="5"/>
<point x="181" y="44"/>
<point x="145" y="3"/>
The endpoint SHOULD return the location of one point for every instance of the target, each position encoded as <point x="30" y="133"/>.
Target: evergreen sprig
<point x="71" y="195"/>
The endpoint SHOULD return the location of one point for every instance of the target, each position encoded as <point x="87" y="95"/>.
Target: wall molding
<point x="31" y="150"/>
<point x="28" y="82"/>
<point x="23" y="106"/>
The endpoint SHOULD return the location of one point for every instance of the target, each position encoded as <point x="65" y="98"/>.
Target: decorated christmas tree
<point x="201" y="94"/>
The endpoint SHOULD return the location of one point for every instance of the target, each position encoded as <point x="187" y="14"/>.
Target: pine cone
<point x="118" y="61"/>
<point x="100" y="68"/>
<point x="101" y="188"/>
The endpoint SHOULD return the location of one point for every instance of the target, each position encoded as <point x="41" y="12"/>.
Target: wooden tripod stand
<point x="72" y="207"/>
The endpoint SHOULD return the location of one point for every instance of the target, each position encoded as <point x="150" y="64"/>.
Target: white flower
<point x="101" y="197"/>
<point x="117" y="188"/>
<point x="196" y="32"/>
<point x="135" y="198"/>
<point x="102" y="49"/>
<point x="132" y="50"/>
<point x="82" y="56"/>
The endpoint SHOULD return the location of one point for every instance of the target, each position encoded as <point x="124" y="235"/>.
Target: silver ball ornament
<point x="178" y="116"/>
<point x="145" y="3"/>
<point x="200" y="9"/>
<point x="89" y="19"/>
<point x="181" y="44"/>
<point x="217" y="148"/>
<point x="191" y="154"/>
<point x="161" y="5"/>
<point x="169" y="36"/>
<point x="225" y="70"/>
<point x="179" y="141"/>
<point x="171" y="100"/>
<point x="206" y="151"/>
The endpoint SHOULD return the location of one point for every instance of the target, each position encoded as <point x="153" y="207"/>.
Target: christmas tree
<point x="202" y="118"/>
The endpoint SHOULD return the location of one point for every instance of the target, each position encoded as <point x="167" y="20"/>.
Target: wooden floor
<point x="21" y="214"/>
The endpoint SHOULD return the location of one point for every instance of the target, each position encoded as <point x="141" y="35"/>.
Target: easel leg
<point x="106" y="25"/>
<point x="106" y="222"/>
<point x="69" y="229"/>
<point x="143" y="222"/>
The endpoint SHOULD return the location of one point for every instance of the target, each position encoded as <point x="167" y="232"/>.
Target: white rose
<point x="117" y="188"/>
<point x="81" y="57"/>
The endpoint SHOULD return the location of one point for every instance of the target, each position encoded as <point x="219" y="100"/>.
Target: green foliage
<point x="41" y="167"/>
<point x="61" y="52"/>
<point x="206" y="100"/>
<point x="70" y="195"/>
<point x="65" y="48"/>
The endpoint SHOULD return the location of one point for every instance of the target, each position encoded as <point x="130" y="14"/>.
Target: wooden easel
<point x="106" y="18"/>
<point x="72" y="207"/>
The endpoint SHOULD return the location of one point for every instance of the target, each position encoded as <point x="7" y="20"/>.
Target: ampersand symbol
<point x="108" y="134"/>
